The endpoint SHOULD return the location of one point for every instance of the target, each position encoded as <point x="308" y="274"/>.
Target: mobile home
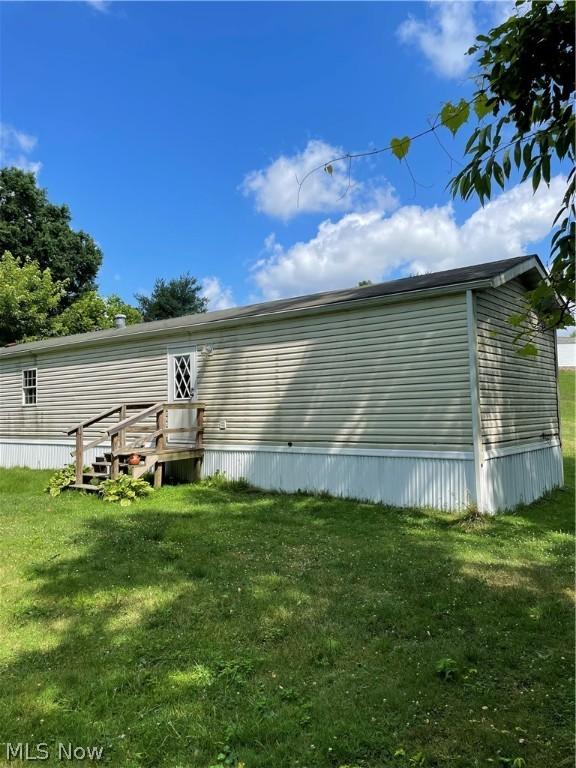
<point x="409" y="392"/>
<point x="566" y="352"/>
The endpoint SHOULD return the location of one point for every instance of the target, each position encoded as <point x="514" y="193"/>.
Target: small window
<point x="183" y="387"/>
<point x="29" y="386"/>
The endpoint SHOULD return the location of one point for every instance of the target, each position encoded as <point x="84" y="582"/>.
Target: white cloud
<point x="99" y="5"/>
<point x="275" y="188"/>
<point x="451" y="28"/>
<point x="219" y="296"/>
<point x="444" y="37"/>
<point x="372" y="246"/>
<point x="15" y="146"/>
<point x="502" y="10"/>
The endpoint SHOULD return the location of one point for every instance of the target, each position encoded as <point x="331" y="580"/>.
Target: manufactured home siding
<point x="388" y="376"/>
<point x="518" y="395"/>
<point x="76" y="383"/>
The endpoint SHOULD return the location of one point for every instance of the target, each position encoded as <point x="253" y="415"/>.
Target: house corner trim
<point x="474" y="396"/>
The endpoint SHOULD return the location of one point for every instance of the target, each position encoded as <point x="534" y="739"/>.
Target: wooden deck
<point x="135" y="435"/>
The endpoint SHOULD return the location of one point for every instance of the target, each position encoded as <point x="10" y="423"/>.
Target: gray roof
<point x="478" y="275"/>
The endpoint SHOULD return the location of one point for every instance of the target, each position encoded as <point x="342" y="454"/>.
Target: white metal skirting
<point x="400" y="478"/>
<point x="405" y="481"/>
<point x="41" y="454"/>
<point x="521" y="477"/>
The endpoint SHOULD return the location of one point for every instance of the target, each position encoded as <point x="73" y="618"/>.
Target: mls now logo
<point x="24" y="751"/>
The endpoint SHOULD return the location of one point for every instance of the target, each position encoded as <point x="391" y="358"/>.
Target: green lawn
<point x="298" y="631"/>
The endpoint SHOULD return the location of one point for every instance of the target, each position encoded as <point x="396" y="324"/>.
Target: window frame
<point x="174" y="353"/>
<point x="28" y="387"/>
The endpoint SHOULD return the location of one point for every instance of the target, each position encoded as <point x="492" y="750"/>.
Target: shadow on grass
<point x="270" y="623"/>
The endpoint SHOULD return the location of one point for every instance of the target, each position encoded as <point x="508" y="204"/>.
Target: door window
<point x="183" y="383"/>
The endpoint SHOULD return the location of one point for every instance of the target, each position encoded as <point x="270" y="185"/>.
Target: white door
<point x="182" y="389"/>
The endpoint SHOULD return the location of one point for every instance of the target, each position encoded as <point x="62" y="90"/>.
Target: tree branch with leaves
<point x="524" y="111"/>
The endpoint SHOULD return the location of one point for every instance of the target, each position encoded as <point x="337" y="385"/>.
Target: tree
<point x="117" y="306"/>
<point x="92" y="312"/>
<point x="31" y="305"/>
<point x="28" y="297"/>
<point x="526" y="86"/>
<point x="34" y="229"/>
<point x="172" y="298"/>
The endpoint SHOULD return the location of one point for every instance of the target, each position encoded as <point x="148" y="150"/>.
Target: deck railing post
<point x="115" y="464"/>
<point x="197" y="466"/>
<point x="121" y="417"/>
<point x="160" y="444"/>
<point x="79" y="456"/>
<point x="199" y="427"/>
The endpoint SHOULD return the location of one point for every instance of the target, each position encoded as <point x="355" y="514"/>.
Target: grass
<point x="216" y="625"/>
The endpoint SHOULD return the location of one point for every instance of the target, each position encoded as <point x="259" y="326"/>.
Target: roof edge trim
<point x="58" y="343"/>
<point x="532" y="262"/>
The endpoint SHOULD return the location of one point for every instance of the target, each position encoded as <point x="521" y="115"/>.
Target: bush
<point x="219" y="480"/>
<point x="447" y="669"/>
<point x="61" y="479"/>
<point x="124" y="489"/>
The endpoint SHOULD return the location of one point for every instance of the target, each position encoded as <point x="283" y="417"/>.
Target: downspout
<point x="474" y="397"/>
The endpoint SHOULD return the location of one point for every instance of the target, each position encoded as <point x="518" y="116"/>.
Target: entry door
<point x="182" y="389"/>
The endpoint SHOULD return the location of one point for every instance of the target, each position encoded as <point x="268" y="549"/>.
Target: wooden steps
<point x="147" y="441"/>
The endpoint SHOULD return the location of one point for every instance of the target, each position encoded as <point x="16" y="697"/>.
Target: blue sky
<point x="175" y="132"/>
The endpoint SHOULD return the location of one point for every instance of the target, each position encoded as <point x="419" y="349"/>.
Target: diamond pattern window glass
<point x="183" y="386"/>
<point x="29" y="386"/>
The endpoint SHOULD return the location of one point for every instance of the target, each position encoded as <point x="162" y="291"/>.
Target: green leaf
<point x="498" y="175"/>
<point x="455" y="115"/>
<point x="545" y="165"/>
<point x="400" y="147"/>
<point x="329" y="169"/>
<point x="515" y="320"/>
<point x="518" y="154"/>
<point x="487" y="187"/>
<point x="481" y="106"/>
<point x="506" y="165"/>
<point x="471" y="140"/>
<point x="536" y="177"/>
<point x="528" y="350"/>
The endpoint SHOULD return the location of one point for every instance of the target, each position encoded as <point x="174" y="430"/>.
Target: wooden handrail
<point x="94" y="419"/>
<point x="104" y="415"/>
<point x="96" y="442"/>
<point x="151" y="411"/>
<point x="156" y="435"/>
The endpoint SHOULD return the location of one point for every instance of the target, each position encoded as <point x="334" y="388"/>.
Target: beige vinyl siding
<point x="518" y="395"/>
<point x="388" y="376"/>
<point x="77" y="383"/>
